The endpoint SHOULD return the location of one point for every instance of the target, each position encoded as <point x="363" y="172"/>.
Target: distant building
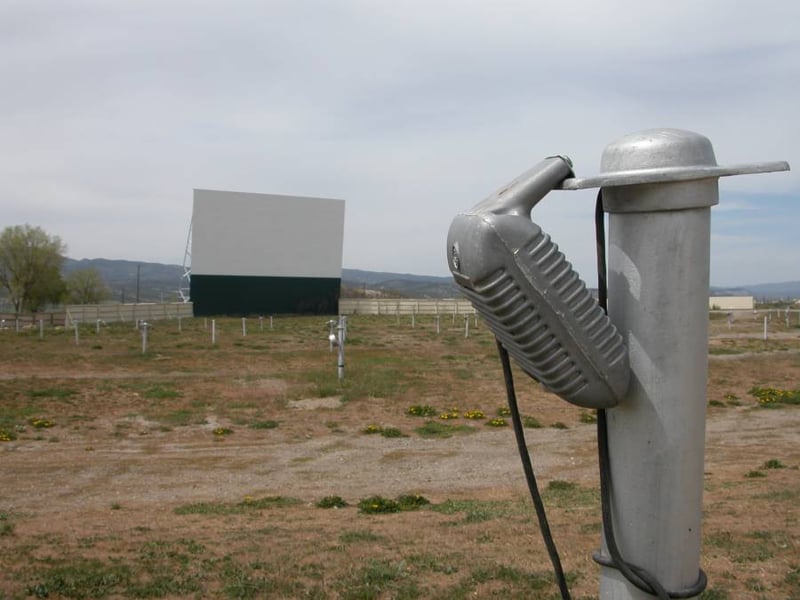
<point x="731" y="303"/>
<point x="258" y="254"/>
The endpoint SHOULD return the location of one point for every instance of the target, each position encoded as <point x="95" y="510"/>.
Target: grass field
<point x="246" y="469"/>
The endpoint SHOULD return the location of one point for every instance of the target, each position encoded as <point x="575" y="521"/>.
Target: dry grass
<point x="129" y="492"/>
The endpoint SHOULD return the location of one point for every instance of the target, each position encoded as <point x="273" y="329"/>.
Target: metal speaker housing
<point x="531" y="297"/>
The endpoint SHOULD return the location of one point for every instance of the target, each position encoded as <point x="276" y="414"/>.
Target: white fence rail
<point x="111" y="313"/>
<point x="405" y="306"/>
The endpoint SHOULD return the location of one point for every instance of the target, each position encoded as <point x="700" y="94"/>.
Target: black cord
<point x="538" y="504"/>
<point x="639" y="577"/>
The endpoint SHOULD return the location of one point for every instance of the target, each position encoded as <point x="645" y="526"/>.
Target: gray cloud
<point x="411" y="111"/>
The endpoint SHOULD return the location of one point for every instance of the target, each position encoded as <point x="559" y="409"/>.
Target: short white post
<point x="765" y="327"/>
<point x="97" y="326"/>
<point x="16" y="324"/>
<point x="270" y="322"/>
<point x="179" y="324"/>
<point x="261" y="322"/>
<point x="145" y="325"/>
<point x="437" y="325"/>
<point x="213" y="331"/>
<point x="466" y="326"/>
<point x="77" y="335"/>
<point x="412" y="320"/>
<point x="244" y="326"/>
<point x="41" y="329"/>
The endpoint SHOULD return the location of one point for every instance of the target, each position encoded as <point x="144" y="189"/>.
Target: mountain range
<point x="132" y="281"/>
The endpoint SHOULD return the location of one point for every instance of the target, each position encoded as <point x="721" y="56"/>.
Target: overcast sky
<point x="112" y="111"/>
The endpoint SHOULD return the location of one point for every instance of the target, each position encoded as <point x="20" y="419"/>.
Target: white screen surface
<point x="240" y="233"/>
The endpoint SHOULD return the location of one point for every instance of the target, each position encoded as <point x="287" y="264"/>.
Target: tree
<point x="30" y="266"/>
<point x="86" y="286"/>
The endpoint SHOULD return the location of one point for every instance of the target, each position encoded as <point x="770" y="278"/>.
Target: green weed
<point x="378" y="579"/>
<point x="422" y="410"/>
<point x="246" y="505"/>
<point x="332" y="502"/>
<point x="374" y="505"/>
<point x="568" y="495"/>
<point x="269" y="424"/>
<point x="436" y="429"/>
<point x="353" y="537"/>
<point x="531" y="423"/>
<point x="52" y="392"/>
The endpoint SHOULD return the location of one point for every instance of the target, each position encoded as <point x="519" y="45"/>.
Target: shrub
<point x="412" y="501"/>
<point x="421" y="410"/>
<point x="770" y="396"/>
<point x="531" y="423"/>
<point x="332" y="502"/>
<point x="392" y="432"/>
<point x="474" y="414"/>
<point x="374" y="505"/>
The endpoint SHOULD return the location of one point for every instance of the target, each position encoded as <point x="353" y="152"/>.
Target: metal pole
<point x="466" y="326"/>
<point x="213" y="331"/>
<point x="340" y="363"/>
<point x="244" y="326"/>
<point x="765" y="328"/>
<point x="41" y="329"/>
<point x="145" y="325"/>
<point x="77" y="336"/>
<point x="659" y="239"/>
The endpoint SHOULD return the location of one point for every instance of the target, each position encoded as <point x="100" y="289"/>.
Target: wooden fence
<point x="405" y="306"/>
<point x="112" y="313"/>
<point x="10" y="320"/>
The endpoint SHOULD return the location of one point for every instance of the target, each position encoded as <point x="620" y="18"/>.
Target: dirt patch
<point x="315" y="403"/>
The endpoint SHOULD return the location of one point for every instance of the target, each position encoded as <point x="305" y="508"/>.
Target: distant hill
<point x="159" y="282"/>
<point x="156" y="282"/>
<point x="407" y="285"/>
<point x="762" y="292"/>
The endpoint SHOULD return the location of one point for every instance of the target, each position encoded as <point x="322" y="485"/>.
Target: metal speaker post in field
<point x="337" y="340"/>
<point x="643" y="365"/>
